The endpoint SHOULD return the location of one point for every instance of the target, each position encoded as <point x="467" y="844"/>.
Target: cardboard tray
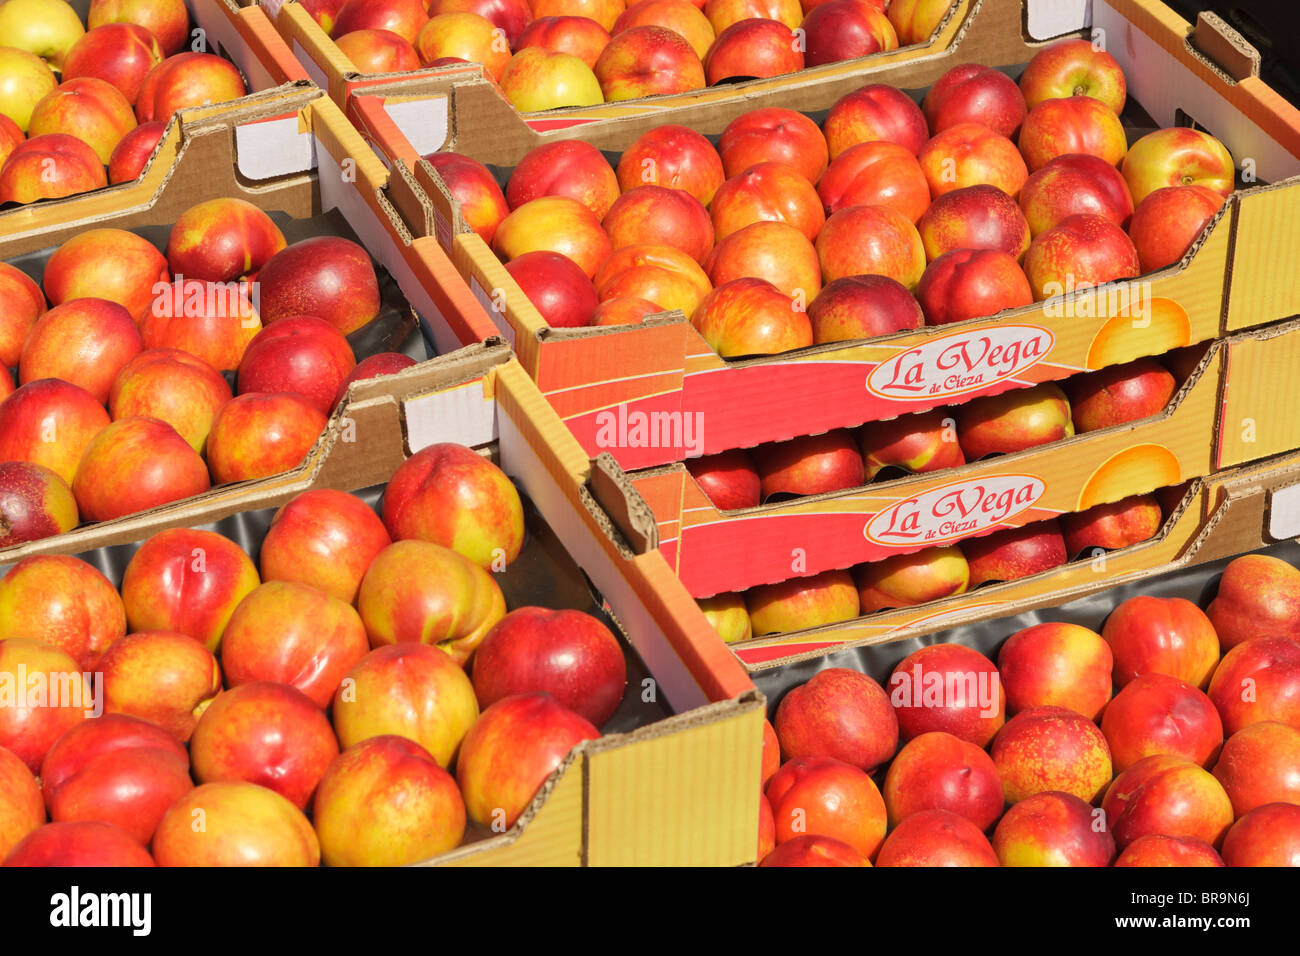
<point x="1222" y="515"/>
<point x="679" y="791"/>
<point x="1225" y="414"/>
<point x="1234" y="278"/>
<point x="464" y="104"/>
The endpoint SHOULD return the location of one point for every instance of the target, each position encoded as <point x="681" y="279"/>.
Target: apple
<point x="969" y="154"/>
<point x="878" y="173"/>
<point x="683" y="17"/>
<point x="82" y="843"/>
<point x="35" y="503"/>
<point x="386" y="802"/>
<point x="510" y="16"/>
<point x="729" y="479"/>
<point x="810" y="465"/>
<point x="755" y="47"/>
<point x="767" y="192"/>
<point x="1013" y="421"/>
<point x="751" y="317"/>
<point x="64" y="602"/>
<point x="822" y="796"/>
<point x="604" y="12"/>
<point x="647" y="61"/>
<point x="875" y="112"/>
<point x="674" y="156"/>
<point x="1258" y="596"/>
<point x="133" y="152"/>
<point x="766" y="828"/>
<point x="970" y="283"/>
<point x="1046" y="749"/>
<point x="325" y="276"/>
<point x="326" y="539"/>
<point x="1155" y="849"/>
<point x="1178" y="156"/>
<point x="243" y="825"/>
<point x="265" y="733"/>
<point x="324" y="12"/>
<point x="936" y="838"/>
<point x="510" y="752"/>
<point x="24" y="80"/>
<point x="1074" y="68"/>
<point x="1150" y="635"/>
<point x="378" y="51"/>
<point x="409" y="689"/>
<point x="839" y="30"/>
<point x="771" y="755"/>
<point x="403" y="17"/>
<point x="723" y="13"/>
<point x="83" y="341"/>
<point x="555" y="224"/>
<point x="173" y="386"/>
<point x="662" y="275"/>
<point x="1119" y="394"/>
<point x="937" y="771"/>
<point x="10" y="137"/>
<point x="164" y="677"/>
<point x="840" y="713"/>
<point x="453" y="496"/>
<point x="774" y="251"/>
<point x="916" y="20"/>
<point x="1257" y="680"/>
<point x="971" y="93"/>
<point x="222" y="239"/>
<point x="974" y="217"/>
<point x="1115" y="525"/>
<point x="814" y="851"/>
<point x="1169" y="221"/>
<point x="1071" y="184"/>
<point x="116" y="769"/>
<point x="1073" y="124"/>
<point x="260" y="434"/>
<point x="302" y="355"/>
<point x="862" y="307"/>
<point x="49" y="167"/>
<point x="906" y="580"/>
<point x="21" y="304"/>
<point x="536" y="79"/>
<point x="657" y="214"/>
<point x="919" y="443"/>
<point x="108" y="264"/>
<point x="1053" y="829"/>
<point x="1079" y="251"/>
<point x="91" y="109"/>
<point x="1267" y="836"/>
<point x="777" y="135"/>
<point x="50" y="409"/>
<point x="28" y="732"/>
<point x="582" y="37"/>
<point x="293" y="634"/>
<point x="950" y="688"/>
<point x="136" y="464"/>
<point x="376" y="366"/>
<point x="168" y="20"/>
<point x="727" y="614"/>
<point x="1056" y="664"/>
<point x="184" y="81"/>
<point x="567" y="168"/>
<point x="568" y="654"/>
<point x="417" y="591"/>
<point x="1260" y="764"/>
<point x="798" y="603"/>
<point x="22" y="808"/>
<point x="47" y="28"/>
<point x="1015" y="552"/>
<point x="1170" y="796"/>
<point x="471" y="184"/>
<point x="871" y="240"/>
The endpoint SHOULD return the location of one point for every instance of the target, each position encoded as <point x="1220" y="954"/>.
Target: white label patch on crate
<point x="1284" y="513"/>
<point x="313" y="69"/>
<point x="272" y="7"/>
<point x="425" y="122"/>
<point x="460" y="414"/>
<point x="1051" y="18"/>
<point x="265" y="149"/>
<point x="494" y="308"/>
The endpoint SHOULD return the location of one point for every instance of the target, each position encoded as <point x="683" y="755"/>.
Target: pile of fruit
<point x="120" y="77"/>
<point x="320" y="706"/>
<point x="1170" y="738"/>
<point x="122" y="405"/>
<point x="781" y="235"/>
<point x="546" y="54"/>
